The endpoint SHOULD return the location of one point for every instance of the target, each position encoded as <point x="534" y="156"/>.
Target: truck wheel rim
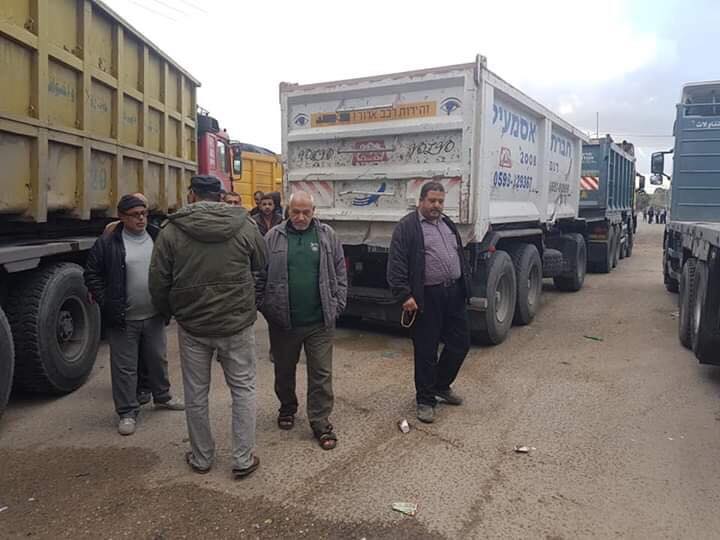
<point x="502" y="299"/>
<point x="71" y="328"/>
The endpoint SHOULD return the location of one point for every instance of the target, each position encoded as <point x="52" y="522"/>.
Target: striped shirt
<point x="442" y="262"/>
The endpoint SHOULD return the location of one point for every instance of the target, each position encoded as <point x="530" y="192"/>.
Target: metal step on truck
<point x="607" y="201"/>
<point x="691" y="246"/>
<point x="510" y="168"/>
<point x="89" y="110"/>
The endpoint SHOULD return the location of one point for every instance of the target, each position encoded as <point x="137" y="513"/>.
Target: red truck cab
<point x="214" y="152"/>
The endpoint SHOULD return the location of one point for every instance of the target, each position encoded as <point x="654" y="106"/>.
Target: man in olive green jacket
<point x="202" y="273"/>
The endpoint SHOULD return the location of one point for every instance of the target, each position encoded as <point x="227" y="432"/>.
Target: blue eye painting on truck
<point x="367" y="200"/>
<point x="448" y="105"/>
<point x="301" y="120"/>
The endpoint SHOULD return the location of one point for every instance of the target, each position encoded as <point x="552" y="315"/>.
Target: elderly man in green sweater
<point x="301" y="295"/>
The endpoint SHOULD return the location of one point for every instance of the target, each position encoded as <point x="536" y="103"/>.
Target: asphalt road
<point x="624" y="431"/>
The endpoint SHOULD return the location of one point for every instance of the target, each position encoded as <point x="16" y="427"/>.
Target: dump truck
<point x="510" y="168"/>
<point x="691" y="244"/>
<point x="255" y="169"/>
<point x="90" y="110"/>
<point x="607" y="201"/>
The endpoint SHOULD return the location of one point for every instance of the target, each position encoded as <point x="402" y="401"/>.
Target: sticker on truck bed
<point x="401" y="111"/>
<point x="424" y="148"/>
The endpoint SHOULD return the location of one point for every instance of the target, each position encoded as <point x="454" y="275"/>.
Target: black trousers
<point x="443" y="320"/>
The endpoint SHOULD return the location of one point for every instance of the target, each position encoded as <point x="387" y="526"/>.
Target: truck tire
<point x="501" y="292"/>
<point x="574" y="250"/>
<point x="622" y="246"/>
<point x="529" y="276"/>
<point x="705" y="334"/>
<point x="686" y="303"/>
<point x="603" y="265"/>
<point x="615" y="248"/>
<point x="56" y="330"/>
<point x="7" y="361"/>
<point x="630" y="244"/>
<point x="671" y="284"/>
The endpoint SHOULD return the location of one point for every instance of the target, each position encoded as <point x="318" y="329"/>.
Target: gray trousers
<point x="318" y="343"/>
<point x="236" y="355"/>
<point x="138" y="338"/>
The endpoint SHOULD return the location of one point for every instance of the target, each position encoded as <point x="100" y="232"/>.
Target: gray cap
<point x="205" y="184"/>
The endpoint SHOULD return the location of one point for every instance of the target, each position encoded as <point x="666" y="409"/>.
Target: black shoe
<point x="247" y="471"/>
<point x="426" y="413"/>
<point x="448" y="396"/>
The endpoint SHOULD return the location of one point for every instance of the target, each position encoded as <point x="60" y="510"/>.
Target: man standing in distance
<point x="301" y="296"/>
<point x="202" y="274"/>
<point x="257" y="197"/>
<point x="268" y="217"/>
<point x="116" y="275"/>
<point x="233" y="199"/>
<point x="427" y="272"/>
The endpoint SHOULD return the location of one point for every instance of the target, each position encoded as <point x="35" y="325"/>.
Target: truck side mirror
<point x="657" y="163"/>
<point x="641" y="183"/>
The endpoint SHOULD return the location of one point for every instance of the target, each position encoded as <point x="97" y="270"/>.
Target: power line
<point x="158" y="13"/>
<point x="190" y="4"/>
<point x="180" y="11"/>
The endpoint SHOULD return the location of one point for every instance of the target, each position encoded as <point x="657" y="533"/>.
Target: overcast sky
<point x="625" y="60"/>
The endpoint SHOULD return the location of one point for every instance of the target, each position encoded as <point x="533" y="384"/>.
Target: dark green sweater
<point x="303" y="276"/>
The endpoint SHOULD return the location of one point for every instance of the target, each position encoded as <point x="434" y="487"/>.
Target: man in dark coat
<point x="116" y="275"/>
<point x="427" y="272"/>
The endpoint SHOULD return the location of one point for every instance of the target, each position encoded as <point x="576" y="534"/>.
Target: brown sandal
<point x="286" y="422"/>
<point x="327" y="440"/>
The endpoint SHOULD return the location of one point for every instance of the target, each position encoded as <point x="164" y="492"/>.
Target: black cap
<point x="205" y="184"/>
<point x="127" y="202"/>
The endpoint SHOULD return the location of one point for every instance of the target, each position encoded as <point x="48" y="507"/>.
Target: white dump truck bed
<point x="364" y="147"/>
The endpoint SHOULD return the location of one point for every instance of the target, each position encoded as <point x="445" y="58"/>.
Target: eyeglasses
<point x="137" y="215"/>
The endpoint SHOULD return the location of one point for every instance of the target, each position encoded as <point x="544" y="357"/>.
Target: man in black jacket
<point x="428" y="273"/>
<point x="116" y="275"/>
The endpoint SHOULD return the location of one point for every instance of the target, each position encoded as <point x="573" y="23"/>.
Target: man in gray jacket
<point x="202" y="274"/>
<point x="301" y="296"/>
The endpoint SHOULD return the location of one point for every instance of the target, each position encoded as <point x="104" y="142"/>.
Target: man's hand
<point x="410" y="305"/>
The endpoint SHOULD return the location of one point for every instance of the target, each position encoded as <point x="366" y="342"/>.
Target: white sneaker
<point x="174" y="404"/>
<point x="126" y="426"/>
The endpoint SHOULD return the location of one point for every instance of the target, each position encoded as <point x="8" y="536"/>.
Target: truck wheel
<point x="629" y="245"/>
<point x="7" y="361"/>
<point x="529" y="276"/>
<point x="671" y="284"/>
<point x="603" y="265"/>
<point x="575" y="251"/>
<point x="501" y="292"/>
<point x="705" y="335"/>
<point x="615" y="248"/>
<point x="56" y="330"/>
<point x="622" y="246"/>
<point x="687" y="303"/>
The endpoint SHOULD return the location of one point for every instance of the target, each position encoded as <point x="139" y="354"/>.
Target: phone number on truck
<point x="502" y="179"/>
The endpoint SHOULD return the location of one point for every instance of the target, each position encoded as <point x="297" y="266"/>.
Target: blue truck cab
<point x="607" y="201"/>
<point x="691" y="242"/>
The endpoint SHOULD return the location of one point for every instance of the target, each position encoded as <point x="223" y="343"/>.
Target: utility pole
<point x="597" y="125"/>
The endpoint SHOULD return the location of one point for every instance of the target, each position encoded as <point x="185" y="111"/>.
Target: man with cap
<point x="202" y="273"/>
<point x="116" y="275"/>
